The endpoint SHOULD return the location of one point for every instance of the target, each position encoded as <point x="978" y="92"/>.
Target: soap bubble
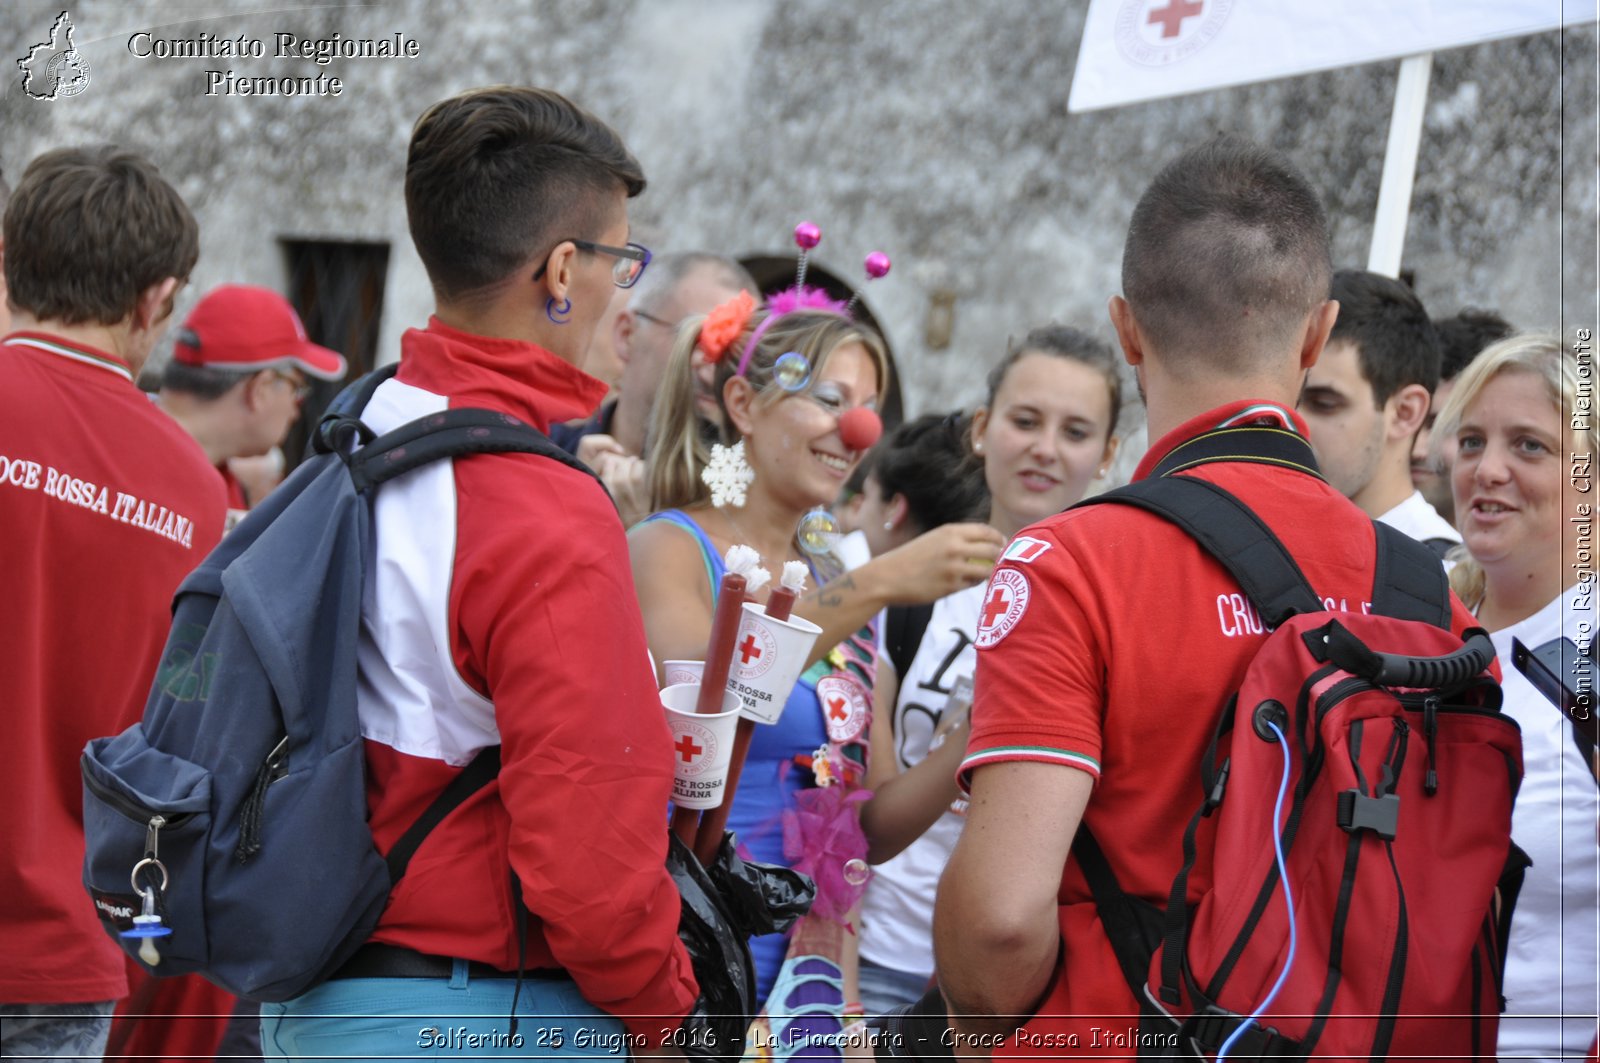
<point x="791" y="371"/>
<point x="818" y="532"/>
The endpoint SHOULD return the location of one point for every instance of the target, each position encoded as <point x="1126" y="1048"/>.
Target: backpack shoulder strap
<point x="1409" y="581"/>
<point x="1230" y="532"/>
<point x="434" y="437"/>
<point x="450" y="434"/>
<point x="356" y="395"/>
<point x="478" y="773"/>
<point x="903" y="629"/>
<point x="1225" y="527"/>
<point x="341" y="421"/>
<point x="1133" y="926"/>
<point x="1440" y="546"/>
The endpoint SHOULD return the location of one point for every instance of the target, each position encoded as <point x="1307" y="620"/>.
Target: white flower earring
<point x="728" y="474"/>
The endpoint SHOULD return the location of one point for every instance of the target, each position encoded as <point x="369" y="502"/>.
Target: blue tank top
<point x="771" y="777"/>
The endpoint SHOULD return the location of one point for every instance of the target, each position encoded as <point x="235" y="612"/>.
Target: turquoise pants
<point x="434" y="1018"/>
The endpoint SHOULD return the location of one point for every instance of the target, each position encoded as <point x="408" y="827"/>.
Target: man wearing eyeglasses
<point x="499" y="612"/>
<point x="677" y="286"/>
<point x="238" y="375"/>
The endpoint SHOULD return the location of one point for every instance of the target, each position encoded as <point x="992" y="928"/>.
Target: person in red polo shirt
<point x="1106" y="649"/>
<point x="238" y="375"/>
<point x="105" y="504"/>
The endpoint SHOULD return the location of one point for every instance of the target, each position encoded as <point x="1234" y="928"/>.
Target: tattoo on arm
<point x="832" y="595"/>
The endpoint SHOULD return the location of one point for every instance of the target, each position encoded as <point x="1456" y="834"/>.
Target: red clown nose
<point x="859" y="428"/>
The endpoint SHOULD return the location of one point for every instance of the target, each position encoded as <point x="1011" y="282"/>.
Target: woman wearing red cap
<point x="798" y="383"/>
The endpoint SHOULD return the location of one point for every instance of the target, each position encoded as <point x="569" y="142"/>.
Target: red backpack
<point x="1361" y="777"/>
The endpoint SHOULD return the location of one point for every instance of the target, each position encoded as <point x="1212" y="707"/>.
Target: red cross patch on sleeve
<point x="1003" y="607"/>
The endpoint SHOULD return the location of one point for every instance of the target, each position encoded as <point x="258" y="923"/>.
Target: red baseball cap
<point x="241" y="327"/>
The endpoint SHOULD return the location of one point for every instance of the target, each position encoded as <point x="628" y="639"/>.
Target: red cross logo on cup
<point x="695" y="746"/>
<point x="755" y="652"/>
<point x="748" y="650"/>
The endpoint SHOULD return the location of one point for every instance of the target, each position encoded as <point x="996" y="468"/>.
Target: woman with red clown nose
<point x="798" y="382"/>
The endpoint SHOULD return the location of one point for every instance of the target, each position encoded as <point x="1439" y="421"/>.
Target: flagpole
<point x="1400" y="164"/>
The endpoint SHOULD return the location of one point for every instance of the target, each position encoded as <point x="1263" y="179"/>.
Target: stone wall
<point x="936" y="130"/>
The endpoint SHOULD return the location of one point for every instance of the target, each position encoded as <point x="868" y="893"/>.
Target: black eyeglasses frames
<point x="630" y="264"/>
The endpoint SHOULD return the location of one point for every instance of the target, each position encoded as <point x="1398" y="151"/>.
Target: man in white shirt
<point x="1367" y="397"/>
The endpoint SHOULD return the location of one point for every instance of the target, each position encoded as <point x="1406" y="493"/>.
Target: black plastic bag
<point x="723" y="907"/>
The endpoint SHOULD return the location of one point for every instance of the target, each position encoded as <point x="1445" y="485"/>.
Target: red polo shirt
<point x="1110" y="644"/>
<point x="105" y="505"/>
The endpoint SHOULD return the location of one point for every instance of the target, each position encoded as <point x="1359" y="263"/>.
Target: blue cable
<point x="1288" y="900"/>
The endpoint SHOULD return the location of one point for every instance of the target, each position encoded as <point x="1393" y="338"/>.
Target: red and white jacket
<point x="500" y="610"/>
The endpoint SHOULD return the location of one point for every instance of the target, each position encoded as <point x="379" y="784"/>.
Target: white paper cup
<point x="768" y="656"/>
<point x="682" y="672"/>
<point x="702" y="745"/>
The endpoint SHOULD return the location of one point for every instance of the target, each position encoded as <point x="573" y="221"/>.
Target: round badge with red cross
<point x="694" y="749"/>
<point x="845" y="707"/>
<point x="1002" y="607"/>
<point x="755" y="651"/>
<point x="1162" y="32"/>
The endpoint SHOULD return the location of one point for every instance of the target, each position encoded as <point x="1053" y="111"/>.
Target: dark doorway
<point x="337" y="288"/>
<point x="775" y="273"/>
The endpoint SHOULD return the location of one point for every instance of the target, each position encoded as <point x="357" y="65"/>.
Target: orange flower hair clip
<point x="725" y="324"/>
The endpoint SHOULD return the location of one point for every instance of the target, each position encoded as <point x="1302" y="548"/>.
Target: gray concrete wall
<point x="936" y="130"/>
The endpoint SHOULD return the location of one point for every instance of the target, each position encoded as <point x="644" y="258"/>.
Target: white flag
<point x="1137" y="50"/>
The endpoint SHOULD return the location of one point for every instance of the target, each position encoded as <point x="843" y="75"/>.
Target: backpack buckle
<point x="1219" y="789"/>
<point x="1213" y="1025"/>
<point x="338" y="433"/>
<point x="1381" y="815"/>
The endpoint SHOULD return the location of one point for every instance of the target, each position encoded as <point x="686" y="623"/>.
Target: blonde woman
<point x="1526" y="518"/>
<point x="781" y="453"/>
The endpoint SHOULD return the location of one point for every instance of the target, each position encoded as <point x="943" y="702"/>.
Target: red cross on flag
<point x="1135" y="50"/>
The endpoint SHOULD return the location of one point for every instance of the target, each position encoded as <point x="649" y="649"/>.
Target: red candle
<point x="714" y="683"/>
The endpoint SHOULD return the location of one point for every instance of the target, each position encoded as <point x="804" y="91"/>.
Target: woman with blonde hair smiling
<point x="795" y="381"/>
<point x="1526" y="570"/>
